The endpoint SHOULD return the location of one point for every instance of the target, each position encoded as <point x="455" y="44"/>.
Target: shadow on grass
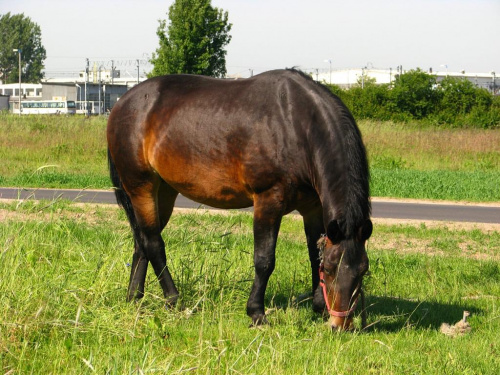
<point x="392" y="314"/>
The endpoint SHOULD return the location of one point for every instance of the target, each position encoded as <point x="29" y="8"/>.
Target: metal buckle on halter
<point x="321" y="247"/>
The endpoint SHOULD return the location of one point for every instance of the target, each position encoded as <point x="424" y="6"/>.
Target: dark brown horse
<point x="278" y="142"/>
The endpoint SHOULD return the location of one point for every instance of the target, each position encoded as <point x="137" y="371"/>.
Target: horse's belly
<point x="211" y="184"/>
<point x="224" y="198"/>
<point x="219" y="194"/>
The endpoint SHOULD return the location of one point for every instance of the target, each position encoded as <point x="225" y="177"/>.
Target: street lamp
<point x="80" y="93"/>
<point x="19" y="53"/>
<point x="330" y="62"/>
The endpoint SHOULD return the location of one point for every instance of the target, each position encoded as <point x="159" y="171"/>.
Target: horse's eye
<point x="330" y="269"/>
<point x="363" y="268"/>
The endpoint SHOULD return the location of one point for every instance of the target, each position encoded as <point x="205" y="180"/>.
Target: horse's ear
<point x="333" y="232"/>
<point x="365" y="231"/>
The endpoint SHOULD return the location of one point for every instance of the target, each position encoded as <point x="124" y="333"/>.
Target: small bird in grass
<point x="460" y="328"/>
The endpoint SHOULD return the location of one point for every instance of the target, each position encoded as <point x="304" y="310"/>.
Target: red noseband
<point x="338" y="314"/>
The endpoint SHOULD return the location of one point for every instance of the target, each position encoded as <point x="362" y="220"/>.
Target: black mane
<point x="356" y="199"/>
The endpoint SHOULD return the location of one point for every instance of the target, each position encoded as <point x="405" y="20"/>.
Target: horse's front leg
<point x="268" y="212"/>
<point x="314" y="228"/>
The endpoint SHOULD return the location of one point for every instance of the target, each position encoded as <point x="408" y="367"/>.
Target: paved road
<point x="394" y="210"/>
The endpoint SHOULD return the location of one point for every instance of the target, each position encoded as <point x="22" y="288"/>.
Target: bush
<point x="459" y="96"/>
<point x="417" y="95"/>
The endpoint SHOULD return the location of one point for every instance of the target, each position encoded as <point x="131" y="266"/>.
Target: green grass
<point x="64" y="273"/>
<point x="444" y="185"/>
<point x="53" y="151"/>
<point x="406" y="161"/>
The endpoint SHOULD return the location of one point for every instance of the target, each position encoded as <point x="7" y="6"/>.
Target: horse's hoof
<point x="258" y="320"/>
<point x="301" y="298"/>
<point x="318" y="304"/>
<point x="134" y="297"/>
<point x="171" y="302"/>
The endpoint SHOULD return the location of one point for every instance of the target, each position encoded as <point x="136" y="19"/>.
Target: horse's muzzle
<point x="341" y="324"/>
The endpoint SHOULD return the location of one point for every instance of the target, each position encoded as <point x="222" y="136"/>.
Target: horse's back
<point x="218" y="142"/>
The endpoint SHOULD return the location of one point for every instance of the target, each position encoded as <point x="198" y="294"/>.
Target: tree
<point x="194" y="40"/>
<point x="19" y="32"/>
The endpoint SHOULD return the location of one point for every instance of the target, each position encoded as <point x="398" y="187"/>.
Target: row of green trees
<point x="416" y="95"/>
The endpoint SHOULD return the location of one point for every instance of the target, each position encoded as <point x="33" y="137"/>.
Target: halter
<point x="331" y="311"/>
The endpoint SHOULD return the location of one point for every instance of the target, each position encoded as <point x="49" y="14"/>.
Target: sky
<point x="275" y="34"/>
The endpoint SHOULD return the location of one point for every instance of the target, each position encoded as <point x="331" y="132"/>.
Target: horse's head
<point x="343" y="264"/>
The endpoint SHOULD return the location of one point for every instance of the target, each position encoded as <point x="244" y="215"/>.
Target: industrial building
<point x="98" y="95"/>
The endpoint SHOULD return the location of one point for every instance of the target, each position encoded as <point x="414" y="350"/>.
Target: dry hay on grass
<point x="100" y="213"/>
<point x="430" y="224"/>
<point x="82" y="212"/>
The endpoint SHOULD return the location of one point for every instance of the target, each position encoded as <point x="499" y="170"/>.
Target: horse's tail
<point x="122" y="197"/>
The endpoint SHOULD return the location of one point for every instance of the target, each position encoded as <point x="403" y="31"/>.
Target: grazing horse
<point x="278" y="142"/>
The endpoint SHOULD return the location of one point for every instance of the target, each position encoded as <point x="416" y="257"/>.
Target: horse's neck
<point x="341" y="197"/>
<point x="332" y="191"/>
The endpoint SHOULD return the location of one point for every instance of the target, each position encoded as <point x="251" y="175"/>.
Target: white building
<point x="29" y="91"/>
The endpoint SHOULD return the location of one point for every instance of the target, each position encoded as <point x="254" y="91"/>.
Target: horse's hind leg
<point x="137" y="274"/>
<point x="153" y="205"/>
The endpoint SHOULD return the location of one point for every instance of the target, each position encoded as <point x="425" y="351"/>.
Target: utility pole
<point x="99" y="89"/>
<point x="330" y="70"/>
<point x="494" y="83"/>
<point x="137" y="71"/>
<point x="112" y="71"/>
<point x="85" y="110"/>
<point x="19" y="53"/>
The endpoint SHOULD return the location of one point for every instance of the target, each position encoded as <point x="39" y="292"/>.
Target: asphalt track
<point x="380" y="209"/>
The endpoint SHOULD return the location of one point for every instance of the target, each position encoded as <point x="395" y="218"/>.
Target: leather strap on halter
<point x="338" y="314"/>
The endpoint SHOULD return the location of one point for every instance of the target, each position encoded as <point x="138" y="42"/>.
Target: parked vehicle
<point x="47" y="107"/>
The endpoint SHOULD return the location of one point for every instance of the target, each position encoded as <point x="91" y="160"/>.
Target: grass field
<point x="406" y="161"/>
<point x="64" y="272"/>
